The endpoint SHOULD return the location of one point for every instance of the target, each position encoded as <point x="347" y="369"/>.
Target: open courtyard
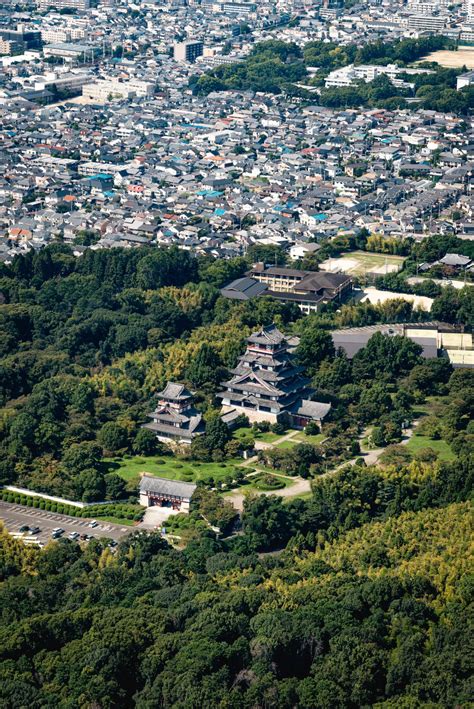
<point x="451" y="59"/>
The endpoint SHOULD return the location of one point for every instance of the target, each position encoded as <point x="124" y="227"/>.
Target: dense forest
<point x="276" y="67"/>
<point x="355" y="595"/>
<point x="369" y="604"/>
<point x="86" y="344"/>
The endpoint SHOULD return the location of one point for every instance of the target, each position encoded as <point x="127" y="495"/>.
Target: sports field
<point x="358" y="263"/>
<point x="451" y="59"/>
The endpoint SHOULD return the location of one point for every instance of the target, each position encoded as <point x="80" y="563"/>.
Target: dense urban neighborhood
<point x="236" y="354"/>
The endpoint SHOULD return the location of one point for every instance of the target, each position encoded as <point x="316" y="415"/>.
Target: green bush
<point x="268" y="482"/>
<point x="36" y="503"/>
<point x="42" y="504"/>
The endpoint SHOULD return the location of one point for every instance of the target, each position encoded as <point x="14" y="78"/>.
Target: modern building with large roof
<point x="436" y="339"/>
<point x="307" y="289"/>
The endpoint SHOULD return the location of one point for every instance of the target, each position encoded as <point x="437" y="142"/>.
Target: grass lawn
<point x="172" y="468"/>
<point x="314" y="440"/>
<point x="302" y="496"/>
<point x="288" y="444"/>
<point x="118" y="520"/>
<point x="431" y="406"/>
<point x="269" y="437"/>
<point x="249" y="486"/>
<point x="442" y="448"/>
<point x="296" y="440"/>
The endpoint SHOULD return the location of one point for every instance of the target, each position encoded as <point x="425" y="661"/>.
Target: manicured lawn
<point x="172" y="468"/>
<point x="442" y="448"/>
<point x="314" y="440"/>
<point x="269" y="437"/>
<point x="254" y="487"/>
<point x="288" y="444"/>
<point x="297" y="440"/>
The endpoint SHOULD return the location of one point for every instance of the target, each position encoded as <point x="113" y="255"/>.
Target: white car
<point x="93" y="524"/>
<point x="74" y="536"/>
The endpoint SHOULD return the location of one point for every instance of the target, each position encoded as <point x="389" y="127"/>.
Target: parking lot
<point x="15" y="516"/>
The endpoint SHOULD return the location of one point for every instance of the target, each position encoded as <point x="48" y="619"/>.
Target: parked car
<point x="74" y="535"/>
<point x="24" y="528"/>
<point x="57" y="532"/>
<point x="93" y="523"/>
<point x="35" y="530"/>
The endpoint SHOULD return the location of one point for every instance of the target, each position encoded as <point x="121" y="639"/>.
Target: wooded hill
<point x="369" y="604"/>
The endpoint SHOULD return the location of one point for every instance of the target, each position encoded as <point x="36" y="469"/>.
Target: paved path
<point x="155" y="516"/>
<point x="302" y="486"/>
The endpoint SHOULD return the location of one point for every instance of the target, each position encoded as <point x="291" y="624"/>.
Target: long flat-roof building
<point x="435" y="338"/>
<point x="80" y="5"/>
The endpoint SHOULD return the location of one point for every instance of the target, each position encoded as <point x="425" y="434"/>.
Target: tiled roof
<point x="162" y="486"/>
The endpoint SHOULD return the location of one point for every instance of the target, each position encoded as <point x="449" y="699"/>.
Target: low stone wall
<point x="51" y="498"/>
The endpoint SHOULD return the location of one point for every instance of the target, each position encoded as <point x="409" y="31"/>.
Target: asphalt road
<point x="15" y="516"/>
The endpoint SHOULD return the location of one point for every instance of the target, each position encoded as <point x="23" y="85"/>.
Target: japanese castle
<point x="175" y="420"/>
<point x="268" y="386"/>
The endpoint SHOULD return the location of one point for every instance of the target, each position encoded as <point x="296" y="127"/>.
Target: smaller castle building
<point x="175" y="420"/>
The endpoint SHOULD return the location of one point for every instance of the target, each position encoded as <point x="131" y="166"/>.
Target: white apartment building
<point x="466" y="79"/>
<point x="468" y="7"/>
<point x="63" y="82"/>
<point x="427" y="22"/>
<point x="105" y="90"/>
<point x="80" y="5"/>
<point x="50" y="35"/>
<point x="368" y="72"/>
<point x="467" y="33"/>
<point x="90" y="168"/>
